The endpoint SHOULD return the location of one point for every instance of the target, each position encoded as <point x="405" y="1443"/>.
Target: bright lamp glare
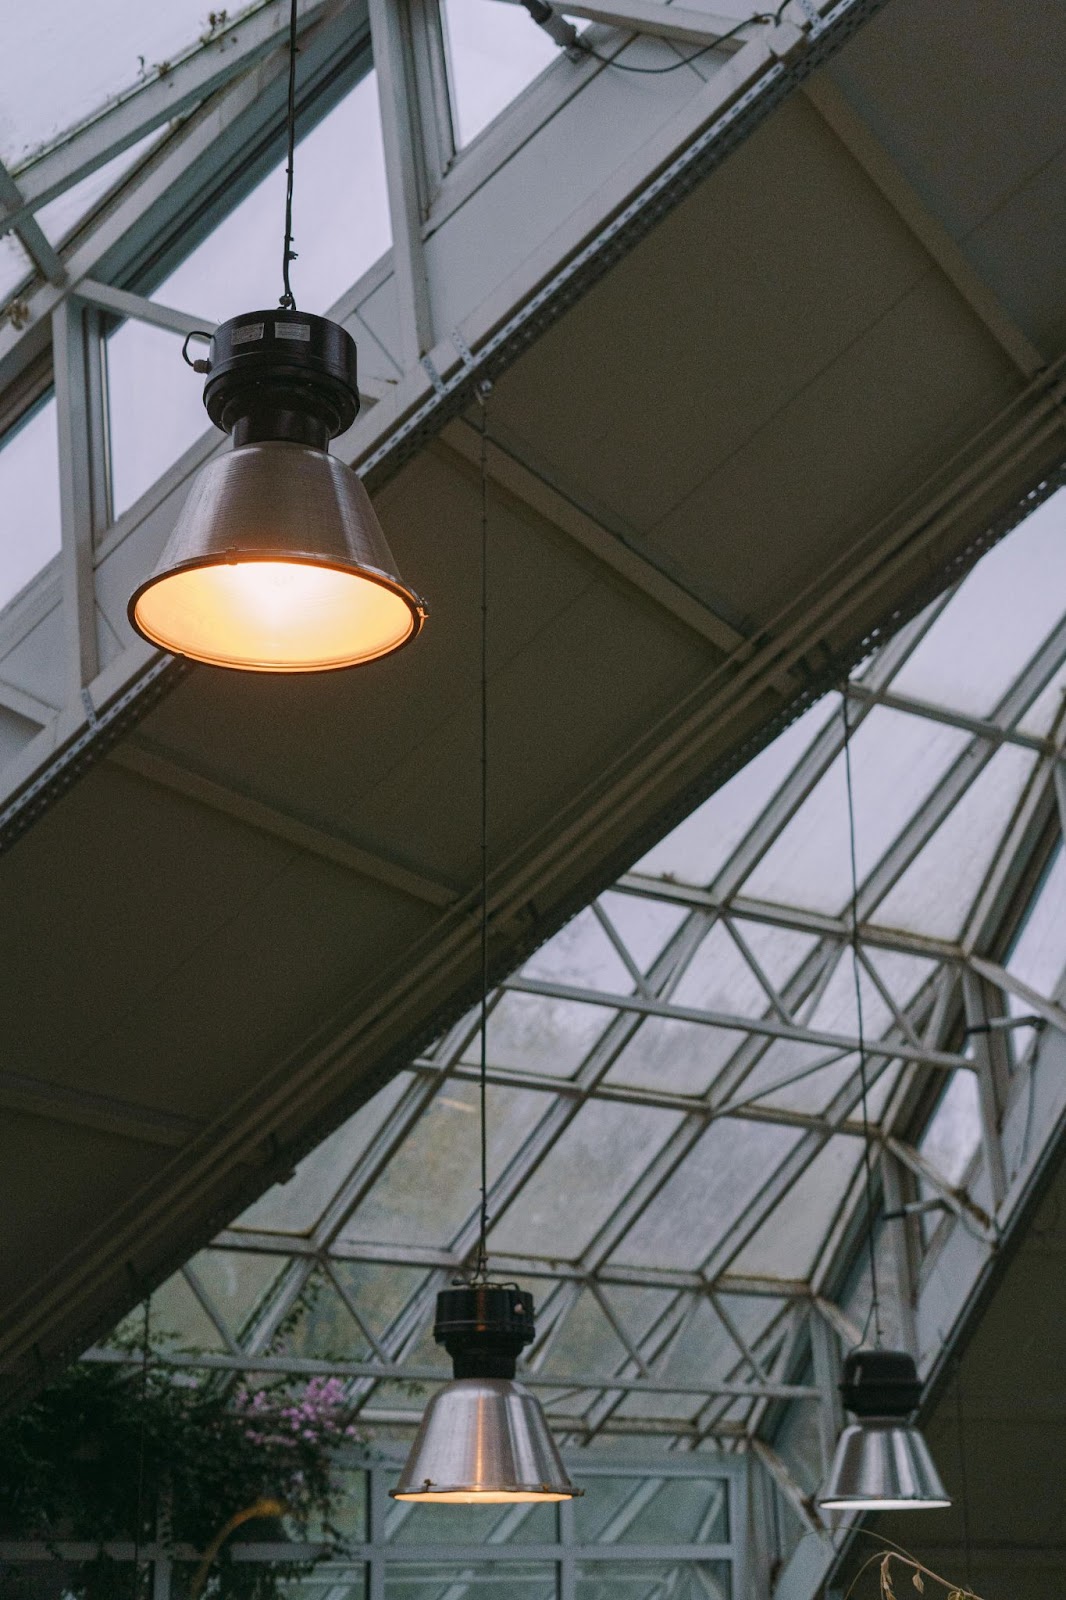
<point x="481" y="1497"/>
<point x="273" y="616"/>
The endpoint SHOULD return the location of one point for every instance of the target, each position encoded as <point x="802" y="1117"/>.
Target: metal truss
<point x="717" y="1346"/>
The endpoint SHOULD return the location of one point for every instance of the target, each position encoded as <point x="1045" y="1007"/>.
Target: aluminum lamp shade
<point x="277" y="564"/>
<point x="881" y="1462"/>
<point x="484" y="1439"/>
<point x="882" y="1465"/>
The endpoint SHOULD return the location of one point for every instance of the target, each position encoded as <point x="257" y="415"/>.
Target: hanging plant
<point x="125" y="1453"/>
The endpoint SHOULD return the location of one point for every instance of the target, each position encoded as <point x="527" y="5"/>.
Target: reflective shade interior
<point x="861" y="1504"/>
<point x="274" y="616"/>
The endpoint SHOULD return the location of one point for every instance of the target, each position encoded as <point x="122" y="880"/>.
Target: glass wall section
<point x="341" y="226"/>
<point x="494" y="51"/>
<point x="29" y="498"/>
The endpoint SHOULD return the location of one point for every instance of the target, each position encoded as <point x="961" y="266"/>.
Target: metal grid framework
<point x="674" y="1085"/>
<point x="674" y="1531"/>
<point x="675" y="1104"/>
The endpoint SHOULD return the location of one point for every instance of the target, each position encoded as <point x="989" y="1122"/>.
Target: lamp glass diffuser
<point x="881" y="1462"/>
<point x="277" y="562"/>
<point x="484" y="1439"/>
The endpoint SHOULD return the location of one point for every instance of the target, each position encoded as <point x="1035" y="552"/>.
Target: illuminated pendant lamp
<point x="484" y="1439"/>
<point x="278" y="562"/>
<point x="881" y="1462"/>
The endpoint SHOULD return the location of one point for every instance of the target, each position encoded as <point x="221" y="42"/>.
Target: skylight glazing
<point x="675" y="1115"/>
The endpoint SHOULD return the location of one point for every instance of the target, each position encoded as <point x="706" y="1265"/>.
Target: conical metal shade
<point x="882" y="1464"/>
<point x="484" y="1441"/>
<point x="277" y="564"/>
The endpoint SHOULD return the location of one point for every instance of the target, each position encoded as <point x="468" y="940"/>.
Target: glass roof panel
<point x="62" y="63"/>
<point x="696" y="850"/>
<point x="726" y="1169"/>
<point x="29" y="495"/>
<point x="674" y="1057"/>
<point x="1038" y="957"/>
<point x="790" y="1240"/>
<point x="1009" y="604"/>
<point x="645" y="925"/>
<point x="494" y="51"/>
<point x="940" y="886"/>
<point x="429" y="1189"/>
<point x="538" y="1033"/>
<point x="896" y="761"/>
<point x="15" y="266"/>
<point x="590" y="1166"/>
<point x="581" y="954"/>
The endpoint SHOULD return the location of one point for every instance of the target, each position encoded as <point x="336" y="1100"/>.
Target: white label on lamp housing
<point x="248" y="334"/>
<point x="293" y="330"/>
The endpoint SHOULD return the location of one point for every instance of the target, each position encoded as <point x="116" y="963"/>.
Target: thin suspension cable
<point x="139" y="1516"/>
<point x="867" y="1155"/>
<point x="288" y="254"/>
<point x="481" y="1266"/>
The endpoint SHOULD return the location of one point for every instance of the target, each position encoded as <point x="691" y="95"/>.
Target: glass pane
<point x="345" y="1583"/>
<point x="699" y="847"/>
<point x="155" y="413"/>
<point x="61" y="216"/>
<point x="582" y="955"/>
<point x="896" y="759"/>
<point x="415" y="1524"/>
<point x="535" y="1033"/>
<point x="645" y="925"/>
<point x="29" y="494"/>
<point x="429" y="1188"/>
<point x="650" y="1510"/>
<point x="723" y="1174"/>
<point x="938" y="890"/>
<point x="653" y="1580"/>
<point x="295" y="1206"/>
<point x="237" y="1283"/>
<point x="62" y="62"/>
<point x="1038" y="956"/>
<point x="589" y="1168"/>
<point x="16" y="267"/>
<point x="341" y="226"/>
<point x="487" y="1580"/>
<point x="1010" y="602"/>
<point x="953" y="1132"/>
<point x="788" y="1243"/>
<point x="494" y="51"/>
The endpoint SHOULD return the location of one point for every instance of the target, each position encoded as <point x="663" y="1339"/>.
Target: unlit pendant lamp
<point x="278" y="562"/>
<point x="882" y="1463"/>
<point x="484" y="1439"/>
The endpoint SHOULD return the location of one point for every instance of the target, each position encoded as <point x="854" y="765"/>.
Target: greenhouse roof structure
<point x="745" y="330"/>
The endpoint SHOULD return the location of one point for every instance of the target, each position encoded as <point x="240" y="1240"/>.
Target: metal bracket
<point x="484" y="387"/>
<point x="813" y="15"/>
<point x="434" y="376"/>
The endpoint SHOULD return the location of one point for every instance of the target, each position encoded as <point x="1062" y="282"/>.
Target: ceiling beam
<point x="855" y="134"/>
<point x="641" y="568"/>
<point x="154" y="767"/>
<point x="55" y="1102"/>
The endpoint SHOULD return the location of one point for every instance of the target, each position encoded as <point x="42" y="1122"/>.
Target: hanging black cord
<point x="481" y="1265"/>
<point x="767" y="17"/>
<point x="288" y="299"/>
<point x="140" y="1450"/>
<point x="867" y="1154"/>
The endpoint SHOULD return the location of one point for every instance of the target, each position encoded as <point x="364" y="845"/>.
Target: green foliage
<point x="119" y="1452"/>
